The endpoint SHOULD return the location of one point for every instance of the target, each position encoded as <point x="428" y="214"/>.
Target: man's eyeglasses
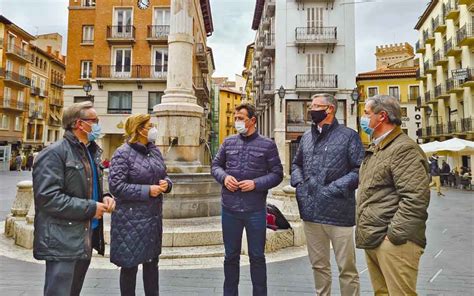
<point x="93" y="120"/>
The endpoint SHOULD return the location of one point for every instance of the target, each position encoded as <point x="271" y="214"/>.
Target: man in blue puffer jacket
<point x="325" y="173"/>
<point x="247" y="165"/>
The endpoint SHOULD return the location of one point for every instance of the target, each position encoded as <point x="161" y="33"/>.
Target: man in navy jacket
<point x="326" y="175"/>
<point x="247" y="165"/>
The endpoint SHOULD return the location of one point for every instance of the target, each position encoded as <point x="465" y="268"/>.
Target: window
<point x="33" y="80"/>
<point x="120" y="102"/>
<point x="394" y="91"/>
<point x="42" y="87"/>
<point x="11" y="42"/>
<point x="81" y="99"/>
<point x="154" y="98"/>
<point x="20" y="98"/>
<point x="9" y="66"/>
<point x="123" y="23"/>
<point x="315" y="64"/>
<point x="87" y="34"/>
<point x="22" y="71"/>
<point x="18" y="123"/>
<point x="228" y="106"/>
<point x="86" y="69"/>
<point x="341" y="112"/>
<point x="160" y="62"/>
<point x="414" y="92"/>
<point x="4" y="121"/>
<point x="32" y="108"/>
<point x="7" y="93"/>
<point x="88" y="3"/>
<point x="123" y="62"/>
<point x="161" y="23"/>
<point x="372" y="91"/>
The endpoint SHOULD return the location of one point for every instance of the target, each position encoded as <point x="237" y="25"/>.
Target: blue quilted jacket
<point x="247" y="158"/>
<point x="325" y="173"/>
<point x="136" y="229"/>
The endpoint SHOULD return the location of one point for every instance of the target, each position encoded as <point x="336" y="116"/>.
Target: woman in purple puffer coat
<point x="138" y="180"/>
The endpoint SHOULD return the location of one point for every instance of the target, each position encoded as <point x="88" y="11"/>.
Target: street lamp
<point x="281" y="94"/>
<point x="355" y="100"/>
<point x="87" y="87"/>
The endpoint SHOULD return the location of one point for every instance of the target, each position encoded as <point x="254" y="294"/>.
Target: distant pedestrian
<point x="435" y="173"/>
<point x="445" y="171"/>
<point x="69" y="202"/>
<point x="325" y="173"/>
<point x="247" y="165"/>
<point x="29" y="162"/>
<point x="392" y="200"/>
<point x="18" y="162"/>
<point x="138" y="180"/>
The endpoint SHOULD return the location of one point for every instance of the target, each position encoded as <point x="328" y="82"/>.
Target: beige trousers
<point x="436" y="181"/>
<point x="318" y="239"/>
<point x="394" y="269"/>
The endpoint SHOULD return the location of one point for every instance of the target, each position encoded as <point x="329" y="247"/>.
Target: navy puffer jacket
<point x="136" y="229"/>
<point x="325" y="173"/>
<point x="248" y="158"/>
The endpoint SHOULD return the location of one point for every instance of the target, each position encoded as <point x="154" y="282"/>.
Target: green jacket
<point x="393" y="195"/>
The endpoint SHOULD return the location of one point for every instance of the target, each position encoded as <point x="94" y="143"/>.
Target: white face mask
<point x="152" y="135"/>
<point x="240" y="127"/>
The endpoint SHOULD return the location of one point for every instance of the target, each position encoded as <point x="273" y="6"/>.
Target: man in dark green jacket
<point x="392" y="200"/>
<point x="69" y="202"/>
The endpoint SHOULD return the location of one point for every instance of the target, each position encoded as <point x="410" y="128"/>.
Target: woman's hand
<point x="155" y="190"/>
<point x="163" y="185"/>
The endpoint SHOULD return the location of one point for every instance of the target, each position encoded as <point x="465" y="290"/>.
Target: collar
<point x="144" y="149"/>
<point x="249" y="138"/>
<point x="379" y="139"/>
<point x="397" y="131"/>
<point x="326" y="128"/>
<point x="71" y="138"/>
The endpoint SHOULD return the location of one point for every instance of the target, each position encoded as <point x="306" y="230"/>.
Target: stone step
<point x="191" y="232"/>
<point x="183" y="252"/>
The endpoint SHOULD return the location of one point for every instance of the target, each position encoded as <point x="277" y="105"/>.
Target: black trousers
<point x="65" y="277"/>
<point x="128" y="279"/>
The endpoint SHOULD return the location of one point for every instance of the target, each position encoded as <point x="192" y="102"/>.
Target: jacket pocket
<point x="232" y="159"/>
<point x="74" y="171"/>
<point x="373" y="218"/>
<point x="67" y="237"/>
<point x="256" y="161"/>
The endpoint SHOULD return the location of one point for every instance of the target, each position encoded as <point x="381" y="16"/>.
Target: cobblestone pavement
<point x="446" y="266"/>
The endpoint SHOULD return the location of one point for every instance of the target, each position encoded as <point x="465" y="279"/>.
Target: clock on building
<point x="143" y="4"/>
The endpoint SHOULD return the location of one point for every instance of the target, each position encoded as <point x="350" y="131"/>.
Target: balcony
<point x="439" y="24"/>
<point x="269" y="45"/>
<point x="466" y="125"/>
<point x="452" y="9"/>
<point x="420" y="75"/>
<point x="18" y="53"/>
<point x="429" y="99"/>
<point x="266" y="61"/>
<point x="57" y="82"/>
<point x="229" y="111"/>
<point x="56" y="102"/>
<point x="430" y="68"/>
<point x="464" y="76"/>
<point x="316" y="35"/>
<point x="454" y="86"/>
<point x="201" y="56"/>
<point x="316" y="82"/>
<point x="419" y="102"/>
<point x="121" y="34"/>
<point x="43" y="93"/>
<point x="17" y="79"/>
<point x="158" y="34"/>
<point x="451" y="48"/>
<point x="132" y="72"/>
<point x="420" y="47"/>
<point x="440" y="92"/>
<point x="200" y="88"/>
<point x="34" y="91"/>
<point x="14" y="105"/>
<point x="439" y="58"/>
<point x="268" y="88"/>
<point x="465" y="35"/>
<point x="269" y="8"/>
<point x="429" y="36"/>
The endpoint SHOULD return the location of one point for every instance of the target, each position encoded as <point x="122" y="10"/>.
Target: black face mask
<point x="318" y="116"/>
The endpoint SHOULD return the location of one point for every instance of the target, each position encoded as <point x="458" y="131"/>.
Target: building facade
<point x="15" y="59"/>
<point x="396" y="76"/>
<point x="446" y="54"/>
<point x="122" y="51"/>
<point x="247" y="74"/>
<point x="302" y="48"/>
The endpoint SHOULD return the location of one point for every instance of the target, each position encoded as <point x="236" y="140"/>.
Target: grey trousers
<point x="65" y="277"/>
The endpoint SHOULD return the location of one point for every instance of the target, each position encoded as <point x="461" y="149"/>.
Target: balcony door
<point x="123" y="23"/>
<point x="122" y="62"/>
<point x="315" y="69"/>
<point x="161" y="22"/>
<point x="314" y="21"/>
<point x="160" y="62"/>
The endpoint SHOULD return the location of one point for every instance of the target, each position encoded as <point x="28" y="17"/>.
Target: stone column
<point x="20" y="207"/>
<point x="179" y="115"/>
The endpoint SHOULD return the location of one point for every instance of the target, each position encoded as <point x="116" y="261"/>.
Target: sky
<point x="377" y="22"/>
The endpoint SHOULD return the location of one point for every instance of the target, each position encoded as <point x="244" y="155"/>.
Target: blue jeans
<point x="255" y="224"/>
